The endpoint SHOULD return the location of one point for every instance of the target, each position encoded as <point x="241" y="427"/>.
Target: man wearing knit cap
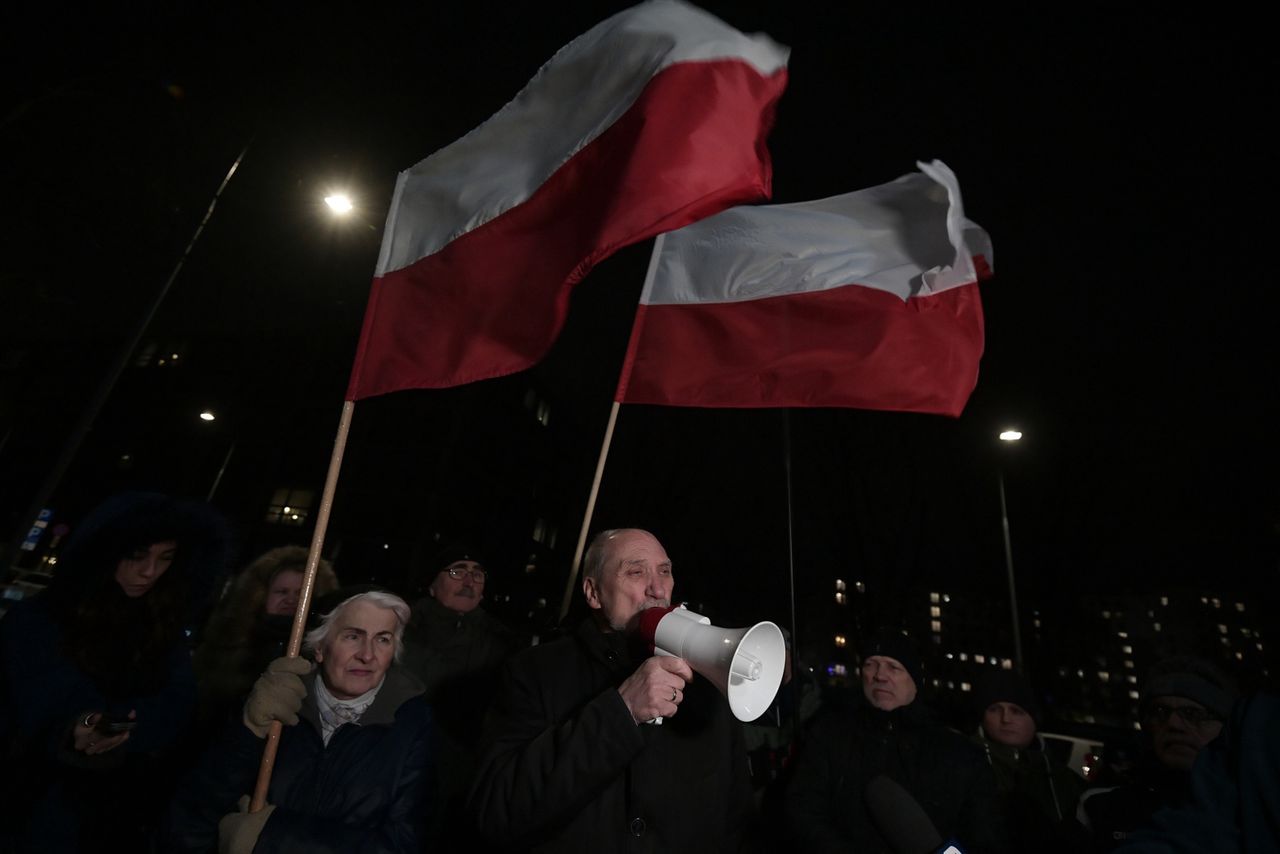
<point x="892" y="735"/>
<point x="1039" y="793"/>
<point x="1184" y="702"/>
<point x="456" y="648"/>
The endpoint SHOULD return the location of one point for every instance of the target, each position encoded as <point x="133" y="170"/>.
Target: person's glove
<point x="238" y="831"/>
<point x="277" y="695"/>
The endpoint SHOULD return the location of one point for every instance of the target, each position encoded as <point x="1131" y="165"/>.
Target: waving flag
<point x="867" y="300"/>
<point x="653" y="119"/>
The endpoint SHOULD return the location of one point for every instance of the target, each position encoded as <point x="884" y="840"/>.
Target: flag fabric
<point x="866" y="300"/>
<point x="653" y="119"/>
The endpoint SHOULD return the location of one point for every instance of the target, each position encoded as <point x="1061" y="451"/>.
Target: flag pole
<point x="791" y="542"/>
<point x="304" y="599"/>
<point x="591" y="506"/>
<point x="623" y="376"/>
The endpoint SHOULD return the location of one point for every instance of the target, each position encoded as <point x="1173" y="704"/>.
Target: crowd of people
<point x="138" y="691"/>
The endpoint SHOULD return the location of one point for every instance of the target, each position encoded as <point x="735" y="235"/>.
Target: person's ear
<point x="590" y="591"/>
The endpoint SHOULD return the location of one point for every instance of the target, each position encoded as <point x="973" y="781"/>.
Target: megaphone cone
<point x="745" y="664"/>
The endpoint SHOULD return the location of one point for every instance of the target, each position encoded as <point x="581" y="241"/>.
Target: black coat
<point x="565" y="768"/>
<point x="370" y="790"/>
<point x="947" y="776"/>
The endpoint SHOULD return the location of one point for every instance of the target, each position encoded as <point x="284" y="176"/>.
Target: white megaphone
<point x="745" y="664"/>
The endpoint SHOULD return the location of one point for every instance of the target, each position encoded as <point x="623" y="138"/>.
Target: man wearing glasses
<point x="1183" y="705"/>
<point x="456" y="647"/>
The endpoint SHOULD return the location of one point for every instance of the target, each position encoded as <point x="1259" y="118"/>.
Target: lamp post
<point x="1010" y="436"/>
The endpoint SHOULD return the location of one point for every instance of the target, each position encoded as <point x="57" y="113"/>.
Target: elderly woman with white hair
<point x="355" y="767"/>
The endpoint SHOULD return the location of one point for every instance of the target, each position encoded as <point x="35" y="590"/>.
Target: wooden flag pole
<point x="586" y="518"/>
<point x="304" y="599"/>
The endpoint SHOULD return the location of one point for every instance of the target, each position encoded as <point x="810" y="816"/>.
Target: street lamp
<point x="207" y="415"/>
<point x="339" y="203"/>
<point x="1010" y="436"/>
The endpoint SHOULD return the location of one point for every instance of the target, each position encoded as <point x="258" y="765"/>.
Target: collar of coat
<point x="398" y="686"/>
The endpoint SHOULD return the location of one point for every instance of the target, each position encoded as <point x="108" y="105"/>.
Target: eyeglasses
<point x="1191" y="715"/>
<point x="477" y="574"/>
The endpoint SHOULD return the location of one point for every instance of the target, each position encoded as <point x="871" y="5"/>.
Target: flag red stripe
<point x="691" y="145"/>
<point x="850" y="346"/>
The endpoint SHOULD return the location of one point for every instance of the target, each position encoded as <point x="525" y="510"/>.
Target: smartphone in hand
<point x="115" y="725"/>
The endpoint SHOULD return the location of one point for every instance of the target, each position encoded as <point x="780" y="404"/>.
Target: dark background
<point x="1119" y="161"/>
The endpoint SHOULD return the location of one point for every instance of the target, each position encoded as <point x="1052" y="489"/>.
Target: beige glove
<point x="238" y="831"/>
<point x="277" y="695"/>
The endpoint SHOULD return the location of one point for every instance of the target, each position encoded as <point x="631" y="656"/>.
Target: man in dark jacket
<point x="1039" y="793"/>
<point x="571" y="761"/>
<point x="1184" y="702"/>
<point x="355" y="767"/>
<point x="890" y="735"/>
<point x="456" y="648"/>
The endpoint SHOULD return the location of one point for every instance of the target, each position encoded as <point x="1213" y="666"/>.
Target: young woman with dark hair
<point x="97" y="685"/>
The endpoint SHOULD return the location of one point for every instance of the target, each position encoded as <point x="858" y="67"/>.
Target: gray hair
<point x="318" y="637"/>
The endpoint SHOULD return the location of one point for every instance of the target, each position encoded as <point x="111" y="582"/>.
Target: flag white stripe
<point x="573" y="98"/>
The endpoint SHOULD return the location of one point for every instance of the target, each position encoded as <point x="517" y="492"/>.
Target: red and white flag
<point x="653" y="119"/>
<point x="867" y="300"/>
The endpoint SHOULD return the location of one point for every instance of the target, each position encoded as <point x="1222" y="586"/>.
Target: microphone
<point x="902" y="821"/>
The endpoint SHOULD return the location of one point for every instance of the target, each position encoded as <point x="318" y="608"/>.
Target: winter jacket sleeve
<point x="537" y="771"/>
<point x="812" y="796"/>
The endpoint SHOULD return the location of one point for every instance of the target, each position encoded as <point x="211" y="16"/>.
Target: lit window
<point x="860" y="587"/>
<point x="935" y="611"/>
<point x="1080" y="674"/>
<point x="1106" y="615"/>
<point x="1245" y="632"/>
<point x="1104" y="676"/>
<point x="981" y="659"/>
<point x="540" y="531"/>
<point x="934" y="598"/>
<point x="290" y="506"/>
<point x="935" y="625"/>
<point x="1128" y="663"/>
<point x="1137" y="725"/>
<point x="837" y="670"/>
<point x="1164" y="600"/>
<point x="1131" y="679"/>
<point x="1128" y="650"/>
<point x="946" y="597"/>
<point x="839" y="598"/>
<point x="1217" y="603"/>
<point x="1155" y="626"/>
<point x="1151" y="614"/>
<point x="1122" y="635"/>
<point x="1204" y="600"/>
<point x="951" y="686"/>
<point x="1239" y="656"/>
<point x="964" y="656"/>
<point x="965" y="686"/>
<point x="1007" y="664"/>
<point x="840" y="585"/>
<point x="1222" y="630"/>
<point x="1133" y="695"/>
<point x="1239" y="605"/>
<point x="936" y="683"/>
<point x="841" y="640"/>
<point x="1037" y="622"/>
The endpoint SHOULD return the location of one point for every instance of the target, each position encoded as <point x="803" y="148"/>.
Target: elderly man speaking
<point x="355" y="764"/>
<point x="570" y="760"/>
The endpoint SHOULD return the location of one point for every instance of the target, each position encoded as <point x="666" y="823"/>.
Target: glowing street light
<point x="206" y="415"/>
<point x="339" y="203"/>
<point x="1010" y="435"/>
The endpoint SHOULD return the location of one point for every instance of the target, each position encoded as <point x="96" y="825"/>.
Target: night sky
<point x="1119" y="163"/>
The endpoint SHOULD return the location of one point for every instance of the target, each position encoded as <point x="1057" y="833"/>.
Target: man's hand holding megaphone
<point x="656" y="689"/>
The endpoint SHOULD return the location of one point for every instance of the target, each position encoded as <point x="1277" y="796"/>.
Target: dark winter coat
<point x="1111" y="815"/>
<point x="1039" y="794"/>
<point x="370" y="790"/>
<point x="565" y="767"/>
<point x="846" y="749"/>
<point x="83" y="646"/>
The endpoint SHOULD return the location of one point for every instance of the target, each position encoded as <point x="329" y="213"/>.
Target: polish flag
<point x="866" y="300"/>
<point x="653" y="119"/>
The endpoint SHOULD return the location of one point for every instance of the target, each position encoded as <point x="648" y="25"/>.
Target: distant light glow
<point x="339" y="203"/>
<point x="208" y="416"/>
<point x="1010" y="435"/>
